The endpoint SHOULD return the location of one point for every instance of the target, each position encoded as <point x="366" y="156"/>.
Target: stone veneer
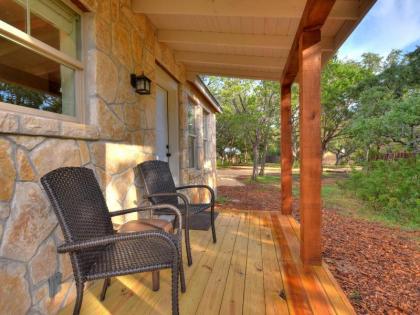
<point x="120" y="133"/>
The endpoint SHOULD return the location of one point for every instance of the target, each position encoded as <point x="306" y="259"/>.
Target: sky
<point x="390" y="24"/>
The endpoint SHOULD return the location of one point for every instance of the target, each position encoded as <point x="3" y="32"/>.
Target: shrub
<point x="391" y="190"/>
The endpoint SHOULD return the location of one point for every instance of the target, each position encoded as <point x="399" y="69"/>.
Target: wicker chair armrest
<point x="153" y="207"/>
<point x="182" y="196"/>
<point x="130" y="210"/>
<point x="200" y="186"/>
<point x="101" y="241"/>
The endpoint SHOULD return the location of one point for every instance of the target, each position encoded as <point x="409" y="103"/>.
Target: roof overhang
<point x="244" y="38"/>
<point x="201" y="87"/>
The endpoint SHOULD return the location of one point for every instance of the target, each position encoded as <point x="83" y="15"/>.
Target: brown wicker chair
<point x="160" y="189"/>
<point x="96" y="251"/>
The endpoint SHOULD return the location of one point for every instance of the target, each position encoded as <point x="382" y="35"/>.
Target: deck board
<point x="255" y="259"/>
<point x="233" y="293"/>
<point x="254" y="299"/>
<point x="213" y="293"/>
<point x="273" y="282"/>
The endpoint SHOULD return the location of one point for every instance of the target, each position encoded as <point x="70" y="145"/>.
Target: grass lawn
<point x="337" y="198"/>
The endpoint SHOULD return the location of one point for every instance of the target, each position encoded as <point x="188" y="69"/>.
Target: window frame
<point x="206" y="138"/>
<point x="192" y="106"/>
<point x="26" y="41"/>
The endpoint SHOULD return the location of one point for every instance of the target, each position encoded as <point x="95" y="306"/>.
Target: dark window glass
<point x="13" y="13"/>
<point x="206" y="134"/>
<point x="31" y="80"/>
<point x="191" y="119"/>
<point x="55" y="24"/>
<point x="192" y="152"/>
<point x="192" y="138"/>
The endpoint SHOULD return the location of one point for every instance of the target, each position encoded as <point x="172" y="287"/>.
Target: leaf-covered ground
<point x="377" y="266"/>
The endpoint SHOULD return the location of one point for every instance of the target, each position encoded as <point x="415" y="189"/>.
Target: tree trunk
<point x="256" y="155"/>
<point x="263" y="158"/>
<point x="337" y="159"/>
<point x="255" y="150"/>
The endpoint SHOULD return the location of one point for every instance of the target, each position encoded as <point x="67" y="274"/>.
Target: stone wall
<point x="119" y="133"/>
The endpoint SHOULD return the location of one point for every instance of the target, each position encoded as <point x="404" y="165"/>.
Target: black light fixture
<point x="141" y="84"/>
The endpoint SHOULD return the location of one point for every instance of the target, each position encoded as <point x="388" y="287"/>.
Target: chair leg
<point x="155" y="280"/>
<point x="107" y="283"/>
<point x="213" y="228"/>
<point x="79" y="298"/>
<point x="187" y="243"/>
<point x="181" y="273"/>
<point x="175" y="272"/>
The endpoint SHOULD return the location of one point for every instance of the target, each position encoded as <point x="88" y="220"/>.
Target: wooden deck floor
<point x="253" y="269"/>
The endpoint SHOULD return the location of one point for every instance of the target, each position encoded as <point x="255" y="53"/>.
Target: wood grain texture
<point x="254" y="300"/>
<point x="286" y="149"/>
<point x="314" y="16"/>
<point x="255" y="259"/>
<point x="310" y="145"/>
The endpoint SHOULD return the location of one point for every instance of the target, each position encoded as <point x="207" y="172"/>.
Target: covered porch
<point x="262" y="262"/>
<point x="254" y="268"/>
<point x="285" y="41"/>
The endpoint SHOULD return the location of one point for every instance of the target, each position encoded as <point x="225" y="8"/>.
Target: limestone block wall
<point x="118" y="134"/>
<point x="206" y="169"/>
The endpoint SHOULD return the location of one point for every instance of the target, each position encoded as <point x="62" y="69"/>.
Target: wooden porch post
<point x="310" y="145"/>
<point x="286" y="149"/>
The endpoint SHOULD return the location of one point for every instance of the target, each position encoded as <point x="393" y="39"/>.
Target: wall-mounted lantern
<point x="141" y="84"/>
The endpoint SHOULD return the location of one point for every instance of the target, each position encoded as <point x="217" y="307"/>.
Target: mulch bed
<point x="378" y="267"/>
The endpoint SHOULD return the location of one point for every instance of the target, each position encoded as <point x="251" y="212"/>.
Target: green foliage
<point x="391" y="189"/>
<point x="387" y="107"/>
<point x="339" y="84"/>
<point x="15" y="94"/>
<point x="249" y="124"/>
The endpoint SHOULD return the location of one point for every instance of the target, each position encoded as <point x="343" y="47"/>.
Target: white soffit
<point x="242" y="38"/>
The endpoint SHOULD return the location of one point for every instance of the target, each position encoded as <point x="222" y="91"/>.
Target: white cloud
<point x="390" y="24"/>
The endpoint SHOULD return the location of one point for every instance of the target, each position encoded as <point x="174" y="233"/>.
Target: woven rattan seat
<point x="129" y="257"/>
<point x="96" y="250"/>
<point x="160" y="189"/>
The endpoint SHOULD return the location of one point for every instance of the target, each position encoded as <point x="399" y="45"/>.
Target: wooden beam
<point x="230" y="60"/>
<point x="234" y="72"/>
<point x="242" y="8"/>
<point x="313" y="17"/>
<point x="347" y="9"/>
<point x="310" y="145"/>
<point x="348" y="26"/>
<point x="286" y="149"/>
<point x="225" y="39"/>
<point x="279" y="42"/>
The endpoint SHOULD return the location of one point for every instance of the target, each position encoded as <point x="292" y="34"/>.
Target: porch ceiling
<point x="243" y="38"/>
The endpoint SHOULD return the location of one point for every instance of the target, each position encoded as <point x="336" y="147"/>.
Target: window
<point x="206" y="139"/>
<point x="40" y="49"/>
<point x="192" y="137"/>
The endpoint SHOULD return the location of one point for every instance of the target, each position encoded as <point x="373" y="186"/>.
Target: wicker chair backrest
<point x="157" y="178"/>
<point x="80" y="208"/>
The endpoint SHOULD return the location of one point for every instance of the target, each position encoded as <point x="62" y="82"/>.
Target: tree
<point x="268" y="99"/>
<point x="388" y="108"/>
<point x="250" y="116"/>
<point x="339" y="90"/>
<point x="28" y="97"/>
